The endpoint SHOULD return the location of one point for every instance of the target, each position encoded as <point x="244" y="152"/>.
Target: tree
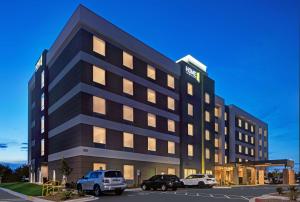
<point x="6" y="174"/>
<point x="66" y="170"/>
<point x="22" y="171"/>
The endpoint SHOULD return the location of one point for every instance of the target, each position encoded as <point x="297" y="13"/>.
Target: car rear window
<point x="113" y="174"/>
<point x="210" y="176"/>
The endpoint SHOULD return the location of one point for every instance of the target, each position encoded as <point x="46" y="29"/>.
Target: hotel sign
<point x="192" y="73"/>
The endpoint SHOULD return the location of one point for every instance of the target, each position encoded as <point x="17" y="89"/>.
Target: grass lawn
<point x="24" y="188"/>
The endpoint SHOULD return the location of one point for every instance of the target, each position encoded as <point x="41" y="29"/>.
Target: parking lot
<point x="192" y="194"/>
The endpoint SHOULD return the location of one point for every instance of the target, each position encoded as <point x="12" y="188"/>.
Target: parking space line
<point x="226" y="196"/>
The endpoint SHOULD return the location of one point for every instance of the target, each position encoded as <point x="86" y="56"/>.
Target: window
<point x="217" y="112"/>
<point x="42" y="124"/>
<point x="127" y="140"/>
<point x="252" y="128"/>
<point x="252" y="152"/>
<point x="266" y="155"/>
<point x="240" y="148"/>
<point x="207" y="135"/>
<point x="190" y="129"/>
<point x="207" y="116"/>
<point x="189" y="89"/>
<point x="171" y="81"/>
<point x="207" y="153"/>
<point x="127" y="86"/>
<point x="151" y="96"/>
<point x="171" y="147"/>
<point x="190" y="109"/>
<point x="99" y="135"/>
<point x="42" y="79"/>
<point x="216" y="142"/>
<point x="99" y="166"/>
<point x="240" y="160"/>
<point x="42" y="147"/>
<point x="171" y="171"/>
<point x="260" y="153"/>
<point x="240" y="122"/>
<point x="151" y="120"/>
<point x="128" y="172"/>
<point x="260" y="130"/>
<point x="265" y="144"/>
<point x="151" y="144"/>
<point x="171" y="103"/>
<point x="225" y="145"/>
<point x="171" y="125"/>
<point x="246" y="150"/>
<point x="246" y="125"/>
<point x="240" y="136"/>
<point x="260" y="142"/>
<point x="127" y="113"/>
<point x="216" y="127"/>
<point x="42" y="102"/>
<point x="246" y="138"/>
<point x="127" y="60"/>
<point x="265" y="132"/>
<point x="216" y="158"/>
<point x="190" y="150"/>
<point x="207" y="98"/>
<point x="98" y="75"/>
<point x="151" y="73"/>
<point x="188" y="172"/>
<point x="226" y="159"/>
<point x="98" y="45"/>
<point x="99" y="105"/>
<point x="225" y="130"/>
<point x="225" y="116"/>
<point x="252" y="140"/>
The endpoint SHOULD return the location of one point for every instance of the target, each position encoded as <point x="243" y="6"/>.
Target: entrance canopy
<point x="268" y="163"/>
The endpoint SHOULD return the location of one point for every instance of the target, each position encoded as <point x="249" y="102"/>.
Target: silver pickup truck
<point x="100" y="181"/>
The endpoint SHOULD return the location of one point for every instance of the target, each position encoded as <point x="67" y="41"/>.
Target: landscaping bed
<point x="64" y="196"/>
<point x="24" y="188"/>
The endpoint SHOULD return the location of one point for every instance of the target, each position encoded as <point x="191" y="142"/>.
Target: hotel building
<point x="102" y="99"/>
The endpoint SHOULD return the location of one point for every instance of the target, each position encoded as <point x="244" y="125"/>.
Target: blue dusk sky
<point x="251" y="49"/>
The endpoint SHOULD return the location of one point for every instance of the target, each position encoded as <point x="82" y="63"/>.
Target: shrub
<point x="279" y="190"/>
<point x="293" y="193"/>
<point x="66" y="195"/>
<point x="81" y="193"/>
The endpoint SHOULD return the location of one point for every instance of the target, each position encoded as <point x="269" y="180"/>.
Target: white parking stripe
<point x="226" y="196"/>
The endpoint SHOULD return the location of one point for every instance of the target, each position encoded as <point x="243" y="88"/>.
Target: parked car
<point x="200" y="180"/>
<point x="100" y="181"/>
<point x="298" y="180"/>
<point x="163" y="182"/>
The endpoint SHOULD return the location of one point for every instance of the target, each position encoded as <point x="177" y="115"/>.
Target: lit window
<point x="171" y="125"/>
<point x="265" y="132"/>
<point x="171" y="147"/>
<point x="209" y="172"/>
<point x="151" y="73"/>
<point x="189" y="88"/>
<point x="265" y="144"/>
<point x="127" y="140"/>
<point x="127" y="60"/>
<point x="240" y="148"/>
<point x="98" y="45"/>
<point x="260" y="130"/>
<point x="225" y="130"/>
<point x="127" y="113"/>
<point x="128" y="171"/>
<point x="190" y="129"/>
<point x="252" y="140"/>
<point x="226" y="146"/>
<point x="240" y="122"/>
<point x="260" y="153"/>
<point x="216" y="127"/>
<point x="252" y="152"/>
<point x="151" y="96"/>
<point x="99" y="166"/>
<point x="98" y="75"/>
<point x="42" y="147"/>
<point x="207" y="153"/>
<point x="190" y="150"/>
<point x="42" y="102"/>
<point x="225" y="116"/>
<point x="127" y="86"/>
<point x="226" y="159"/>
<point x="217" y="112"/>
<point x="207" y="135"/>
<point x="42" y="79"/>
<point x="171" y="171"/>
<point x="216" y="158"/>
<point x="216" y="142"/>
<point x="240" y="160"/>
<point x="246" y="125"/>
<point x="171" y="103"/>
<point x="246" y="138"/>
<point x="151" y="120"/>
<point x="151" y="144"/>
<point x="171" y="81"/>
<point x="207" y="98"/>
<point x="252" y="128"/>
<point x="240" y="136"/>
<point x="99" y="135"/>
<point x="246" y="150"/>
<point x="207" y="116"/>
<point x="99" y="105"/>
<point x="42" y="124"/>
<point x="188" y="172"/>
<point x="190" y="109"/>
<point x="260" y="142"/>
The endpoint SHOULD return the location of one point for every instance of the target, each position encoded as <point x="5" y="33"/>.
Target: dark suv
<point x="163" y="182"/>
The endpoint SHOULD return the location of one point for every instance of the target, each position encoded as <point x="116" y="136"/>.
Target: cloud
<point x="3" y="146"/>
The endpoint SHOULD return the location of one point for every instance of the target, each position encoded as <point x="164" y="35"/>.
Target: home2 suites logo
<point x="192" y="73"/>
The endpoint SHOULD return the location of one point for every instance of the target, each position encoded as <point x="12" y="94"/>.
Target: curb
<point x="36" y="199"/>
<point x="133" y="189"/>
<point x="222" y="187"/>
